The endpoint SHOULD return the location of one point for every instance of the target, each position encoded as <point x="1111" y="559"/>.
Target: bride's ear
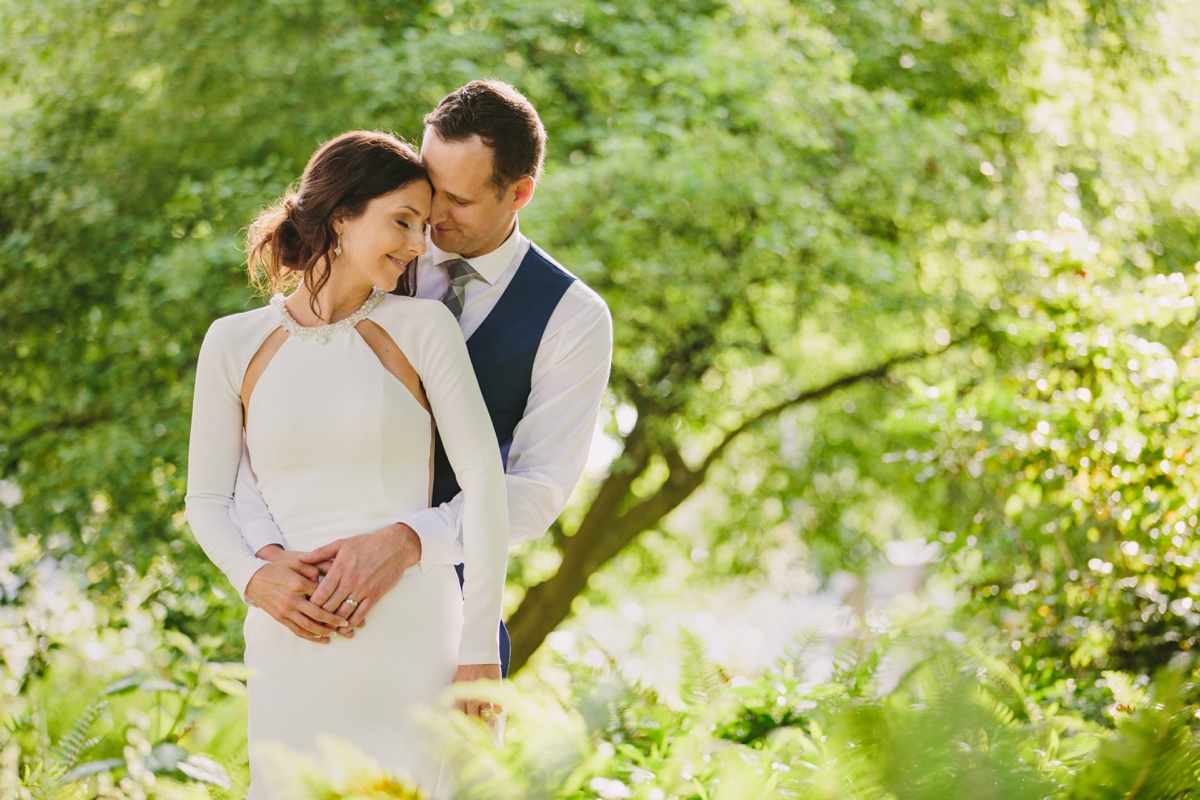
<point x="338" y="225"/>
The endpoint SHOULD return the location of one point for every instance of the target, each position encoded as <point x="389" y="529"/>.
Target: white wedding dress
<point x="340" y="447"/>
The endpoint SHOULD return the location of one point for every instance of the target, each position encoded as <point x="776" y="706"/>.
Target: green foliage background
<point x="884" y="275"/>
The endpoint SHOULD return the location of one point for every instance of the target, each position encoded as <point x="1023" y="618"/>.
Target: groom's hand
<point x="365" y="568"/>
<point x="282" y="589"/>
<point x="275" y="552"/>
<point x="483" y="709"/>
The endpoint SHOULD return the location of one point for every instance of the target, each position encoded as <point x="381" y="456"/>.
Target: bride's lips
<point x="399" y="264"/>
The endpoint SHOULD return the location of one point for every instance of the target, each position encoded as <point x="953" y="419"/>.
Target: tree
<point x="801" y="214"/>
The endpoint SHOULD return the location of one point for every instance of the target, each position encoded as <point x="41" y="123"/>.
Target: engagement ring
<point x="352" y="601"/>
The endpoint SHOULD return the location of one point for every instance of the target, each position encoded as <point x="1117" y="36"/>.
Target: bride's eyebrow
<point x="412" y="211"/>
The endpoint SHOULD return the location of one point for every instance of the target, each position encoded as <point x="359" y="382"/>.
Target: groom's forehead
<point x="462" y="164"/>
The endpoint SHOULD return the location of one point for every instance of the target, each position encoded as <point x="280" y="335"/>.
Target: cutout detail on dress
<point x="393" y="360"/>
<point x="258" y="365"/>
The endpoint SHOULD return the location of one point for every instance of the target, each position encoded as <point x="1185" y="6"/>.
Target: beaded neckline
<point x="322" y="333"/>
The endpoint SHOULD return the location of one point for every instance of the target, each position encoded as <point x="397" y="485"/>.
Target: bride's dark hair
<point x="291" y="241"/>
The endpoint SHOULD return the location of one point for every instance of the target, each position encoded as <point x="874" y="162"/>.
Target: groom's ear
<point x="522" y="192"/>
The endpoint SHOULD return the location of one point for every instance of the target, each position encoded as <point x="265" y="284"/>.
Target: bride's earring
<point x="337" y="251"/>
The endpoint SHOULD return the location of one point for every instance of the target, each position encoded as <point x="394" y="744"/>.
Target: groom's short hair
<point x="503" y="118"/>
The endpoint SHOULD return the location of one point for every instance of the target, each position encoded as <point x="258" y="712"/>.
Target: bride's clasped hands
<point x="283" y="589"/>
<point x="310" y="593"/>
<point x="330" y="590"/>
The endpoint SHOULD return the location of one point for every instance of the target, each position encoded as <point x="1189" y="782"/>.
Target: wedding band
<point x="352" y="601"/>
<point x="486" y="713"/>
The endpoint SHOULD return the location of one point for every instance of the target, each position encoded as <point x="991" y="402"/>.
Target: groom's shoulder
<point x="578" y="291"/>
<point x="549" y="261"/>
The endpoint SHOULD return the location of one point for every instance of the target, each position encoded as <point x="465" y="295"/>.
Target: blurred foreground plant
<point x="903" y="714"/>
<point x="106" y="703"/>
<point x="103" y="702"/>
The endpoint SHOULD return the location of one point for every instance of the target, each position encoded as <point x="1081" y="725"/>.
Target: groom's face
<point x="469" y="216"/>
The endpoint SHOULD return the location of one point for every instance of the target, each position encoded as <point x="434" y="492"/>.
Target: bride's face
<point x="378" y="245"/>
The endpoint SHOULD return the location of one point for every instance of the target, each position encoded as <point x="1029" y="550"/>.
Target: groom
<point x="541" y="345"/>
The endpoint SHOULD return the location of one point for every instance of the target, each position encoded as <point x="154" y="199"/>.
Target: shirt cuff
<point x="437" y="538"/>
<point x="478" y="657"/>
<point x="259" y="533"/>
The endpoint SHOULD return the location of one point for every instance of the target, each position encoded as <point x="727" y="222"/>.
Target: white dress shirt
<point x="551" y="442"/>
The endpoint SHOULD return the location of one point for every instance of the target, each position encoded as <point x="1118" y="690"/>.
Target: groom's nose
<point x="438" y="210"/>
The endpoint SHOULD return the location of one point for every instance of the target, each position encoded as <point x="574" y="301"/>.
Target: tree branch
<point x="820" y="393"/>
<point x="610" y="524"/>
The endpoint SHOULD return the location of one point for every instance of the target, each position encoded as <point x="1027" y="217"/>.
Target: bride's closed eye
<point x="408" y="225"/>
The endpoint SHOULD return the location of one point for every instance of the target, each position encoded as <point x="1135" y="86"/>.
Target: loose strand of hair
<point x="315" y="285"/>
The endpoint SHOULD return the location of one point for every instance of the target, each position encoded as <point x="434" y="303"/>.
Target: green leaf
<point x="205" y="771"/>
<point x="90" y="768"/>
<point x="126" y="684"/>
<point x="170" y="758"/>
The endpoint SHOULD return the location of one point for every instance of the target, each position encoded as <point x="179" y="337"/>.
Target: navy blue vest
<point x="502" y="350"/>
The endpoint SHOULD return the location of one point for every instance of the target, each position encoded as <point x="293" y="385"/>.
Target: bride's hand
<point x="282" y="589"/>
<point x="478" y="708"/>
<point x="365" y="568"/>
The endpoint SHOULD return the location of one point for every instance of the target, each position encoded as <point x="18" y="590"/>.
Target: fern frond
<point x="805" y="641"/>
<point x="75" y="742"/>
<point x="699" y="678"/>
<point x="1154" y="753"/>
<point x="16" y="725"/>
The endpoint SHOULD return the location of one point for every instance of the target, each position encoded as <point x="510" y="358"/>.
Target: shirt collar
<point x="490" y="266"/>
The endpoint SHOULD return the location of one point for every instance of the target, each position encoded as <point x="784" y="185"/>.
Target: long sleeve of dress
<point x="215" y="446"/>
<point x="470" y="442"/>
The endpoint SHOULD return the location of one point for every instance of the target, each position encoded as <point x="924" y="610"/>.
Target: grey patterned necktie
<point x="461" y="273"/>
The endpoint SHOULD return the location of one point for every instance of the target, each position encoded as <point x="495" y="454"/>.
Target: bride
<point x="337" y="390"/>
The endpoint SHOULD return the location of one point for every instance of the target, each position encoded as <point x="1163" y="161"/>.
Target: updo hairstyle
<point x="291" y="241"/>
